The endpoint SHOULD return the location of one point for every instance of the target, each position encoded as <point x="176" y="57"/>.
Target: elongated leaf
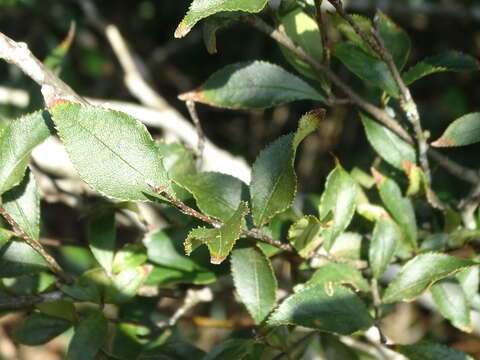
<point x="217" y="195"/>
<point x="17" y="141"/>
<point x="101" y="237"/>
<point x="469" y="280"/>
<point x="389" y="146"/>
<point x="331" y="308"/>
<point x="274" y="182"/>
<point x="254" y="281"/>
<point x="452" y="303"/>
<point x="427" y="350"/>
<point x="17" y="258"/>
<point x="200" y="9"/>
<point x="113" y="152"/>
<point x="339" y="274"/>
<point x="366" y="67"/>
<point x="55" y="59"/>
<point x="37" y="329"/>
<point x="252" y="85"/>
<point x="88" y="338"/>
<point x="304" y="235"/>
<point x="219" y="241"/>
<point x="395" y="39"/>
<point x="338" y="200"/>
<point x="463" y="131"/>
<point x="446" y="61"/>
<point x="385" y="239"/>
<point x="420" y="273"/>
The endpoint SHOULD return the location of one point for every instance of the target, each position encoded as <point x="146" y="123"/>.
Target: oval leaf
<point x="463" y="131"/>
<point x="88" y="338"/>
<point x="385" y="239"/>
<point x="37" y="329"/>
<point x="395" y="39"/>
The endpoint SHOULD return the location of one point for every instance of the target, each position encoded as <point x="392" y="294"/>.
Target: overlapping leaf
<point x="339" y="274"/>
<point x="385" y="239"/>
<point x="304" y="235"/>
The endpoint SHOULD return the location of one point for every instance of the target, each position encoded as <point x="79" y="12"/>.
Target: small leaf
<point x="452" y="303"/>
<point x="366" y="67"/>
<point x="56" y="57"/>
<point x="129" y="256"/>
<point x="463" y="131"/>
<point x="38" y="329"/>
<point x="200" y="9"/>
<point x="125" y="284"/>
<point x="395" y="39"/>
<point x="214" y="23"/>
<point x="88" y="338"/>
<point x="17" y="258"/>
<point x="385" y="239"/>
<point x="389" y="146"/>
<point x="217" y="195"/>
<point x="252" y="85"/>
<point x="427" y="350"/>
<point x="101" y="238"/>
<point x="254" y="281"/>
<point x="339" y="274"/>
<point x="447" y="61"/>
<point x="338" y="200"/>
<point x="274" y="182"/>
<point x="326" y="308"/>
<point x="304" y="235"/>
<point x="17" y="141"/>
<point x="113" y="152"/>
<point x="420" y="273"/>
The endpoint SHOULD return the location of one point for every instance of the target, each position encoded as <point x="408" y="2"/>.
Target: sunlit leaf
<point x="463" y="131"/>
<point x="304" y="235"/>
<point x="385" y="239"/>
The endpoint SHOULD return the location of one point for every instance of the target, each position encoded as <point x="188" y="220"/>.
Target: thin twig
<point x="322" y="27"/>
<point x="377" y="304"/>
<point x="27" y="301"/>
<point x="200" y="134"/>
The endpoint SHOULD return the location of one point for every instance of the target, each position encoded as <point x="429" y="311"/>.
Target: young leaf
<point x="385" y="239"/>
<point x="446" y="61"/>
<point x="125" y="284"/>
<point x="101" y="238"/>
<point x="17" y="141"/>
<point x="304" y="235"/>
<point x="252" y="85"/>
<point x="200" y="9"/>
<point x="452" y="303"/>
<point x="88" y="338"/>
<point x="420" y="273"/>
<point x="395" y="39"/>
<point x="389" y="146"/>
<point x="55" y="59"/>
<point x="366" y="67"/>
<point x="463" y="131"/>
<point x="219" y="241"/>
<point x="17" y="258"/>
<point x="330" y="308"/>
<point x="37" y="329"/>
<point x="113" y="152"/>
<point x="254" y="281"/>
<point x="427" y="350"/>
<point x="339" y="274"/>
<point x="129" y="256"/>
<point x="274" y="182"/>
<point x="217" y="195"/>
<point x="338" y="200"/>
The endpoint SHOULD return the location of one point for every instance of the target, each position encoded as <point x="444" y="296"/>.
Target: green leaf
<point x="17" y="141"/>
<point x="304" y="235"/>
<point x="200" y="9"/>
<point x="5" y="236"/>
<point x="388" y="145"/>
<point x="366" y="67"/>
<point x="469" y="280"/>
<point x="126" y="341"/>
<point x="330" y="308"/>
<point x="385" y="239"/>
<point x="113" y="152"/>
<point x="56" y="57"/>
<point x="452" y="303"/>
<point x="346" y="29"/>
<point x="90" y="286"/>
<point x="214" y="23"/>
<point x="175" y="350"/>
<point x="88" y="338"/>
<point x="463" y="131"/>
<point x="252" y="85"/>
<point x="274" y="182"/>
<point x="101" y="238"/>
<point x="219" y="241"/>
<point x="17" y="258"/>
<point x="232" y="349"/>
<point x="395" y="39"/>
<point x="427" y="350"/>
<point x="447" y="61"/>
<point x="129" y="256"/>
<point x="38" y="329"/>
<point x="420" y="273"/>
<point x="338" y="200"/>
<point x="125" y="284"/>
<point x="339" y="274"/>
<point x="217" y="195"/>
<point x="254" y="281"/>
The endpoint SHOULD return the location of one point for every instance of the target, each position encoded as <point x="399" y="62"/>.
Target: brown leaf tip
<point x="319" y="113"/>
<point x="217" y="260"/>
<point x="443" y="142"/>
<point x="193" y="95"/>
<point x="407" y="166"/>
<point x="378" y="176"/>
<point x="181" y="30"/>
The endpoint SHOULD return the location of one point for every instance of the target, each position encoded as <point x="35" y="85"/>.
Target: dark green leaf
<point x="339" y="274"/>
<point x="420" y="273"/>
<point x="17" y="258"/>
<point x="254" y="281"/>
<point x="426" y="350"/>
<point x="91" y="286"/>
<point x="102" y="237"/>
<point x="88" y="338"/>
<point x="304" y="235"/>
<point x="37" y="329"/>
<point x="237" y="349"/>
<point x="463" y="131"/>
<point x="395" y="39"/>
<point x="129" y="256"/>
<point x="113" y="152"/>
<point x="125" y="341"/>
<point x="173" y="351"/>
<point x="334" y="349"/>
<point x="213" y="24"/>
<point x="252" y="85"/>
<point x="385" y="239"/>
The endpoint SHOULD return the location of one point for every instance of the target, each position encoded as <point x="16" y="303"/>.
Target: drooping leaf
<point x="254" y="281"/>
<point x="101" y="238"/>
<point x="452" y="303"/>
<point x="217" y="195"/>
<point x="330" y="308"/>
<point x="385" y="239"/>
<point x="304" y="235"/>
<point x="125" y="284"/>
<point x="213" y="24"/>
<point x="366" y="67"/>
<point x="200" y="9"/>
<point x="447" y="61"/>
<point x="395" y="39"/>
<point x="339" y="201"/>
<point x="339" y="274"/>
<point x="418" y="274"/>
<point x="131" y="255"/>
<point x="274" y="182"/>
<point x="388" y="145"/>
<point x="88" y="338"/>
<point x="463" y="131"/>
<point x="113" y="152"/>
<point x="252" y="85"/>
<point x="427" y="350"/>
<point x="17" y="258"/>
<point x="17" y="141"/>
<point x="37" y="329"/>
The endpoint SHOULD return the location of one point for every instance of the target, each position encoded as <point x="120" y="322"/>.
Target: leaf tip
<point x="181" y="30"/>
<point x="377" y="175"/>
<point x="217" y="260"/>
<point x="443" y="142"/>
